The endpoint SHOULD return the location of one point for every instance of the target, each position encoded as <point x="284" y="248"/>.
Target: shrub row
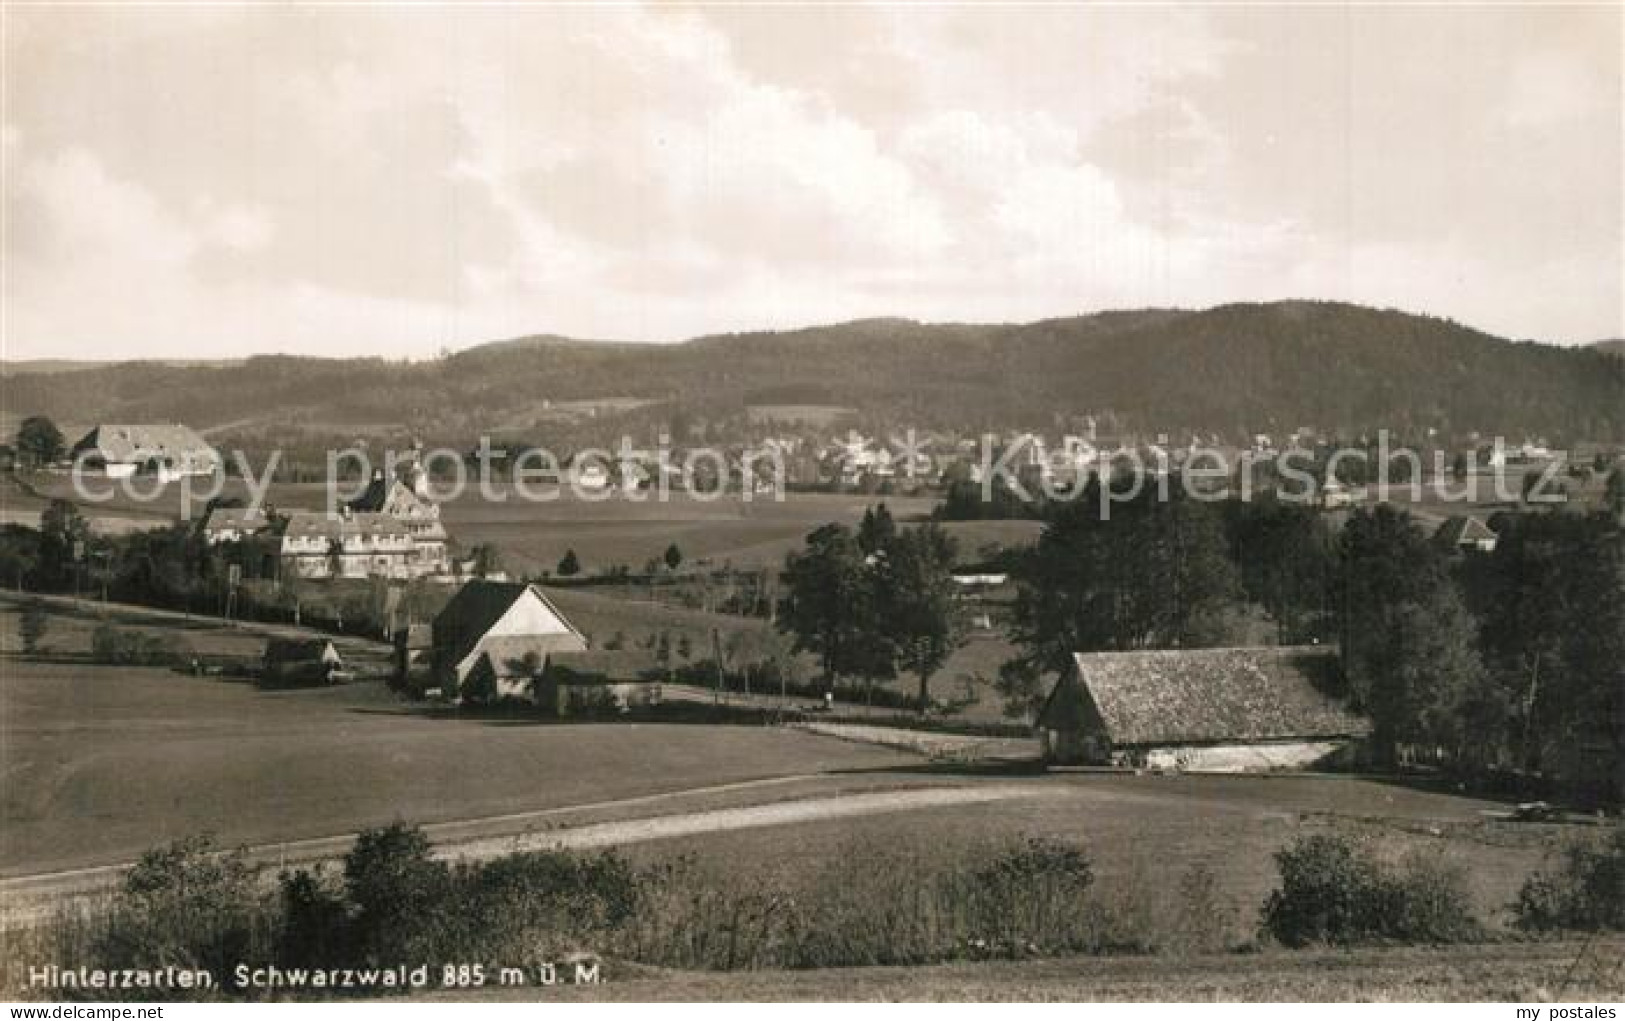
<point x="393" y="902"/>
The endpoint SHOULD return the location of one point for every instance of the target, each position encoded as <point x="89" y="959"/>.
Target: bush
<point x="189" y="906"/>
<point x="399" y="894"/>
<point x="1586" y="893"/>
<point x="118" y="647"/>
<point x="315" y="927"/>
<point x="1334" y="892"/>
<point x="874" y="904"/>
<point x="537" y="907"/>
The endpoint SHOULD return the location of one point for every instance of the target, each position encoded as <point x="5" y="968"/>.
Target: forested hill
<point x="1234" y="369"/>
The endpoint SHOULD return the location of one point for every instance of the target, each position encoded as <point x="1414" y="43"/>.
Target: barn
<point x="484" y="611"/>
<point x="166" y="451"/>
<point x="1202" y="710"/>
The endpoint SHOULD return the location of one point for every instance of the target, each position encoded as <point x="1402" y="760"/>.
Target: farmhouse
<point x="599" y="680"/>
<point x="1206" y="710"/>
<point x="234" y="524"/>
<point x="301" y="661"/>
<point x="1465" y="533"/>
<point x="484" y="611"/>
<point x="167" y="451"/>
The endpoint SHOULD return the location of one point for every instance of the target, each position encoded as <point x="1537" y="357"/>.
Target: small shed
<point x="1202" y="710"/>
<point x="600" y="680"/>
<point x="301" y="661"/>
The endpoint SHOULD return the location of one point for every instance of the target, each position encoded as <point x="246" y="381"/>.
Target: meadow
<point x="100" y="763"/>
<point x="533" y="535"/>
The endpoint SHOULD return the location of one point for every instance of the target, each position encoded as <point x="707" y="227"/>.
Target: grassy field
<point x="99" y="763"/>
<point x="534" y="535"/>
<point x="1145" y="833"/>
<point x="969" y="671"/>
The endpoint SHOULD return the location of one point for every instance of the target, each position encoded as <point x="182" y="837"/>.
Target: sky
<point x="219" y="181"/>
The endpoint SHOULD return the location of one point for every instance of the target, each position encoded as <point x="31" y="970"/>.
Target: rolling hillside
<point x="1231" y="369"/>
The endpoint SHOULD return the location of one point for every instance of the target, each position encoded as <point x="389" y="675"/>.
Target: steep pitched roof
<point x="393" y="497"/>
<point x="298" y="650"/>
<point x="123" y="444"/>
<point x="600" y="666"/>
<point x="235" y="519"/>
<point x="476" y="608"/>
<point x="1182" y="696"/>
<point x="1462" y="530"/>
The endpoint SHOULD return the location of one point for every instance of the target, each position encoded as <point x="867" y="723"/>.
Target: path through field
<point x="32" y="898"/>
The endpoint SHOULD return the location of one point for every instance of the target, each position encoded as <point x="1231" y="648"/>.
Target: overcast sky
<point x="219" y="181"/>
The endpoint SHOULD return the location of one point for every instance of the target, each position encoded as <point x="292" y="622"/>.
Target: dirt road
<point x="26" y="899"/>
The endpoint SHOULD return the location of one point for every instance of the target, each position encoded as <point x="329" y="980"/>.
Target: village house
<point x="1202" y="710"/>
<point x="168" y="452"/>
<point x="475" y="628"/>
<point x="1465" y="533"/>
<point x="234" y="524"/>
<point x="1334" y="494"/>
<point x="290" y="661"/>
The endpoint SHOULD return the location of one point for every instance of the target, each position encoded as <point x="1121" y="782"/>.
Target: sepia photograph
<point x="544" y="503"/>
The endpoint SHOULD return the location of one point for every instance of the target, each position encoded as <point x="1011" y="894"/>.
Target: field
<point x="98" y="764"/>
<point x="969" y="671"/>
<point x="533" y="535"/>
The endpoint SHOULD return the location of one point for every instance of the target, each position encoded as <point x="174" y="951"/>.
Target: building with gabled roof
<point x="234" y="524"/>
<point x="487" y="615"/>
<point x="406" y="498"/>
<point x="314" y="545"/>
<point x="1219" y="710"/>
<point x="1465" y="533"/>
<point x="166" y="451"/>
<point x="301" y="661"/>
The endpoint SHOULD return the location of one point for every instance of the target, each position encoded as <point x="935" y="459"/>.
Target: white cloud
<point x="332" y="180"/>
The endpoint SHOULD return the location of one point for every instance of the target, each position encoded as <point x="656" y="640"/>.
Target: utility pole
<point x="716" y="657"/>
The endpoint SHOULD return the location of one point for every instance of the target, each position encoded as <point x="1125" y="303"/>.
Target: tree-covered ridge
<point x="1233" y="370"/>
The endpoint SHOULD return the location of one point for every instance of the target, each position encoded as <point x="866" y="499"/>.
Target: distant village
<point x="394" y="531"/>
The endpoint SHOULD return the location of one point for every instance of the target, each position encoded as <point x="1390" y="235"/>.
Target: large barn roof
<point x="123" y="444"/>
<point x="477" y="607"/>
<point x="1192" y="696"/>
